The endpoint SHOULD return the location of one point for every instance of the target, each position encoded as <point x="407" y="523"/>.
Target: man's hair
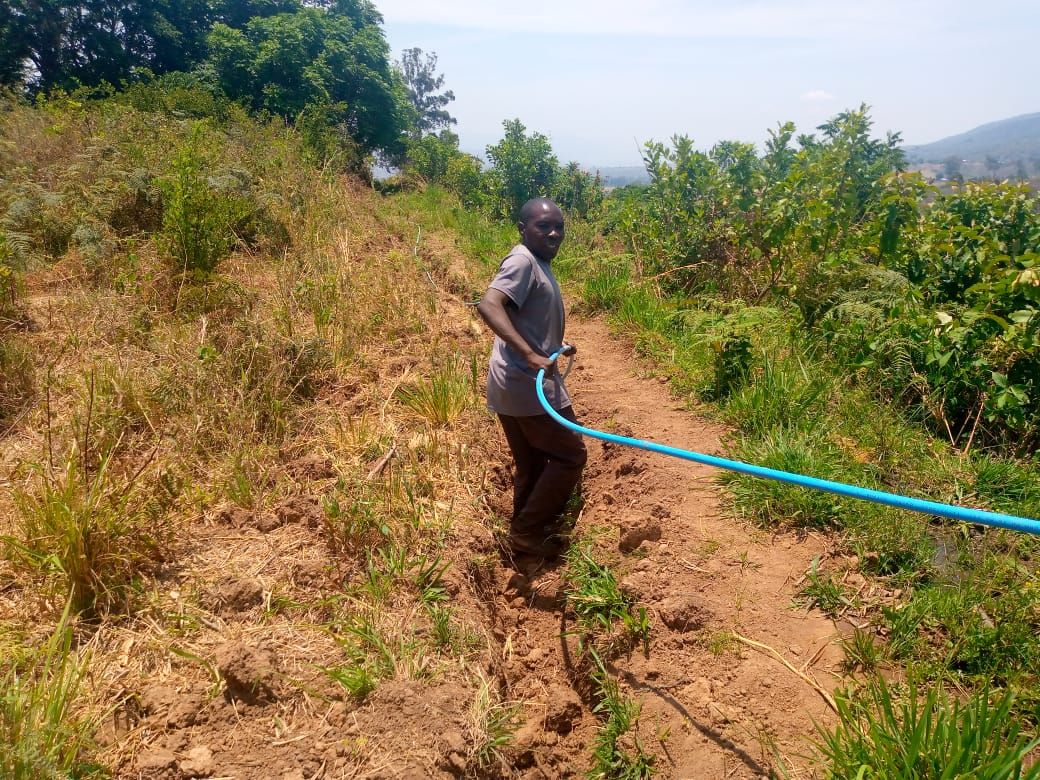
<point x="528" y="209"/>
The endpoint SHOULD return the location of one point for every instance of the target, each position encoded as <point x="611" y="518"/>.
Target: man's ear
<point x="520" y="227"/>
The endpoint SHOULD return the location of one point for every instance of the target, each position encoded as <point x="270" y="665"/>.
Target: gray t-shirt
<point x="538" y="316"/>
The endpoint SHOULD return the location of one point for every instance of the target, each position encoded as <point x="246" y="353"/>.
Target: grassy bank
<point x="205" y="338"/>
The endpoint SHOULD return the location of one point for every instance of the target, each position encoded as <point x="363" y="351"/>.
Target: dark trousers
<point x="549" y="459"/>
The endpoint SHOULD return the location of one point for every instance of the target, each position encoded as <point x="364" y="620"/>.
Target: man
<point x="524" y="307"/>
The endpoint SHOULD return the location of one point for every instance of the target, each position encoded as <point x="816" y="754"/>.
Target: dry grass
<point x="203" y="404"/>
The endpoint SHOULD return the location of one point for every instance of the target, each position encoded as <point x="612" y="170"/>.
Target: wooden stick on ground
<point x="806" y="678"/>
<point x="381" y="464"/>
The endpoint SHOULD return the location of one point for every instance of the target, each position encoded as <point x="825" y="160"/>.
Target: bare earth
<point x="711" y="709"/>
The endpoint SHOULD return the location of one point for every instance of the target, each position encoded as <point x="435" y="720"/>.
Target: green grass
<point x="89" y="532"/>
<point x="599" y="603"/>
<point x="930" y="736"/>
<point x="617" y="753"/>
<point x="823" y="591"/>
<point x="443" y="397"/>
<point x="493" y="724"/>
<point x="43" y="736"/>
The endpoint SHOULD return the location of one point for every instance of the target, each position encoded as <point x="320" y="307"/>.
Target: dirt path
<point x="712" y="707"/>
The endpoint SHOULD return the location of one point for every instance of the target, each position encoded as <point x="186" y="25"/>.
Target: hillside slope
<point x="1014" y="138"/>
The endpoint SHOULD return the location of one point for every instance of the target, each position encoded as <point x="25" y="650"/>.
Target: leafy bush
<point x="198" y="220"/>
<point x="522" y="167"/>
<point x="984" y="625"/>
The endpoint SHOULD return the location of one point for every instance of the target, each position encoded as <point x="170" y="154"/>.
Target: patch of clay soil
<point x="711" y="707"/>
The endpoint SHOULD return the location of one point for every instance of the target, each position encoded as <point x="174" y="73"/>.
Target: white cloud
<point x="670" y="18"/>
<point x="816" y="96"/>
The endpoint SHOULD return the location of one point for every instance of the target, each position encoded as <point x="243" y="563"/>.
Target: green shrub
<point x="731" y="366"/>
<point x="198" y="220"/>
<point x="983" y="623"/>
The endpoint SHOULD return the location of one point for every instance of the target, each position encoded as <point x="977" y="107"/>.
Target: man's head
<point x="541" y="227"/>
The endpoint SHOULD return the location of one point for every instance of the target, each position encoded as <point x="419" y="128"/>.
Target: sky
<point x="603" y="77"/>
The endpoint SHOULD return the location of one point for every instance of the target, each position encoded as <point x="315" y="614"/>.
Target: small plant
<point x="933" y="736"/>
<point x="862" y="652"/>
<point x="821" y="591"/>
<point x="443" y="631"/>
<point x="732" y="365"/>
<point x="91" y="532"/>
<point x="197" y="219"/>
<point x="354" y="524"/>
<point x="611" y="761"/>
<point x="41" y="736"/>
<point x="493" y="724"/>
<point x="374" y="654"/>
<point x="719" y="643"/>
<point x="358" y="680"/>
<point x="427" y="574"/>
<point x="597" y="599"/>
<point x="443" y="397"/>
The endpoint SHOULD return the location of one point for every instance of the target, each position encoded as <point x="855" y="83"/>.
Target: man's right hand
<point x="536" y="362"/>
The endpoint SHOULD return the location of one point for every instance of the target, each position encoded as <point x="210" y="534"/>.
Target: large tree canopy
<point x="279" y="56"/>
<point x="51" y="43"/>
<point x="312" y="56"/>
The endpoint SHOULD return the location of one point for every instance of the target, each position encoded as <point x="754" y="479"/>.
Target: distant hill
<point x="1017" y="138"/>
<point x="619" y="176"/>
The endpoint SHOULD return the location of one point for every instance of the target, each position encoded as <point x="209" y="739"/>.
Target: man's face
<point x="542" y="233"/>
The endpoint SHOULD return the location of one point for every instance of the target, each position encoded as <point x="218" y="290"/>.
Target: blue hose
<point x="963" y="514"/>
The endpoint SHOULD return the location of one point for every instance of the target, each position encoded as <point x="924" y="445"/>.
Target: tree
<point x="423" y="83"/>
<point x="952" y="167"/>
<point x="522" y="167"/>
<point x="577" y="191"/>
<point x="13" y="51"/>
<point x="50" y="43"/>
<point x="313" y="57"/>
<point x="992" y="164"/>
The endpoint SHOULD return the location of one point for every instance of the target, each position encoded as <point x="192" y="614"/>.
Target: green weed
<point x="783" y="395"/>
<point x="862" y="652"/>
<point x="612" y="758"/>
<point x="823" y="591"/>
<point x="42" y="736"/>
<point x="91" y="531"/>
<point x="493" y="724"/>
<point x="598" y="601"/>
<point x="778" y="503"/>
<point x="934" y="736"/>
<point x="442" y="398"/>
